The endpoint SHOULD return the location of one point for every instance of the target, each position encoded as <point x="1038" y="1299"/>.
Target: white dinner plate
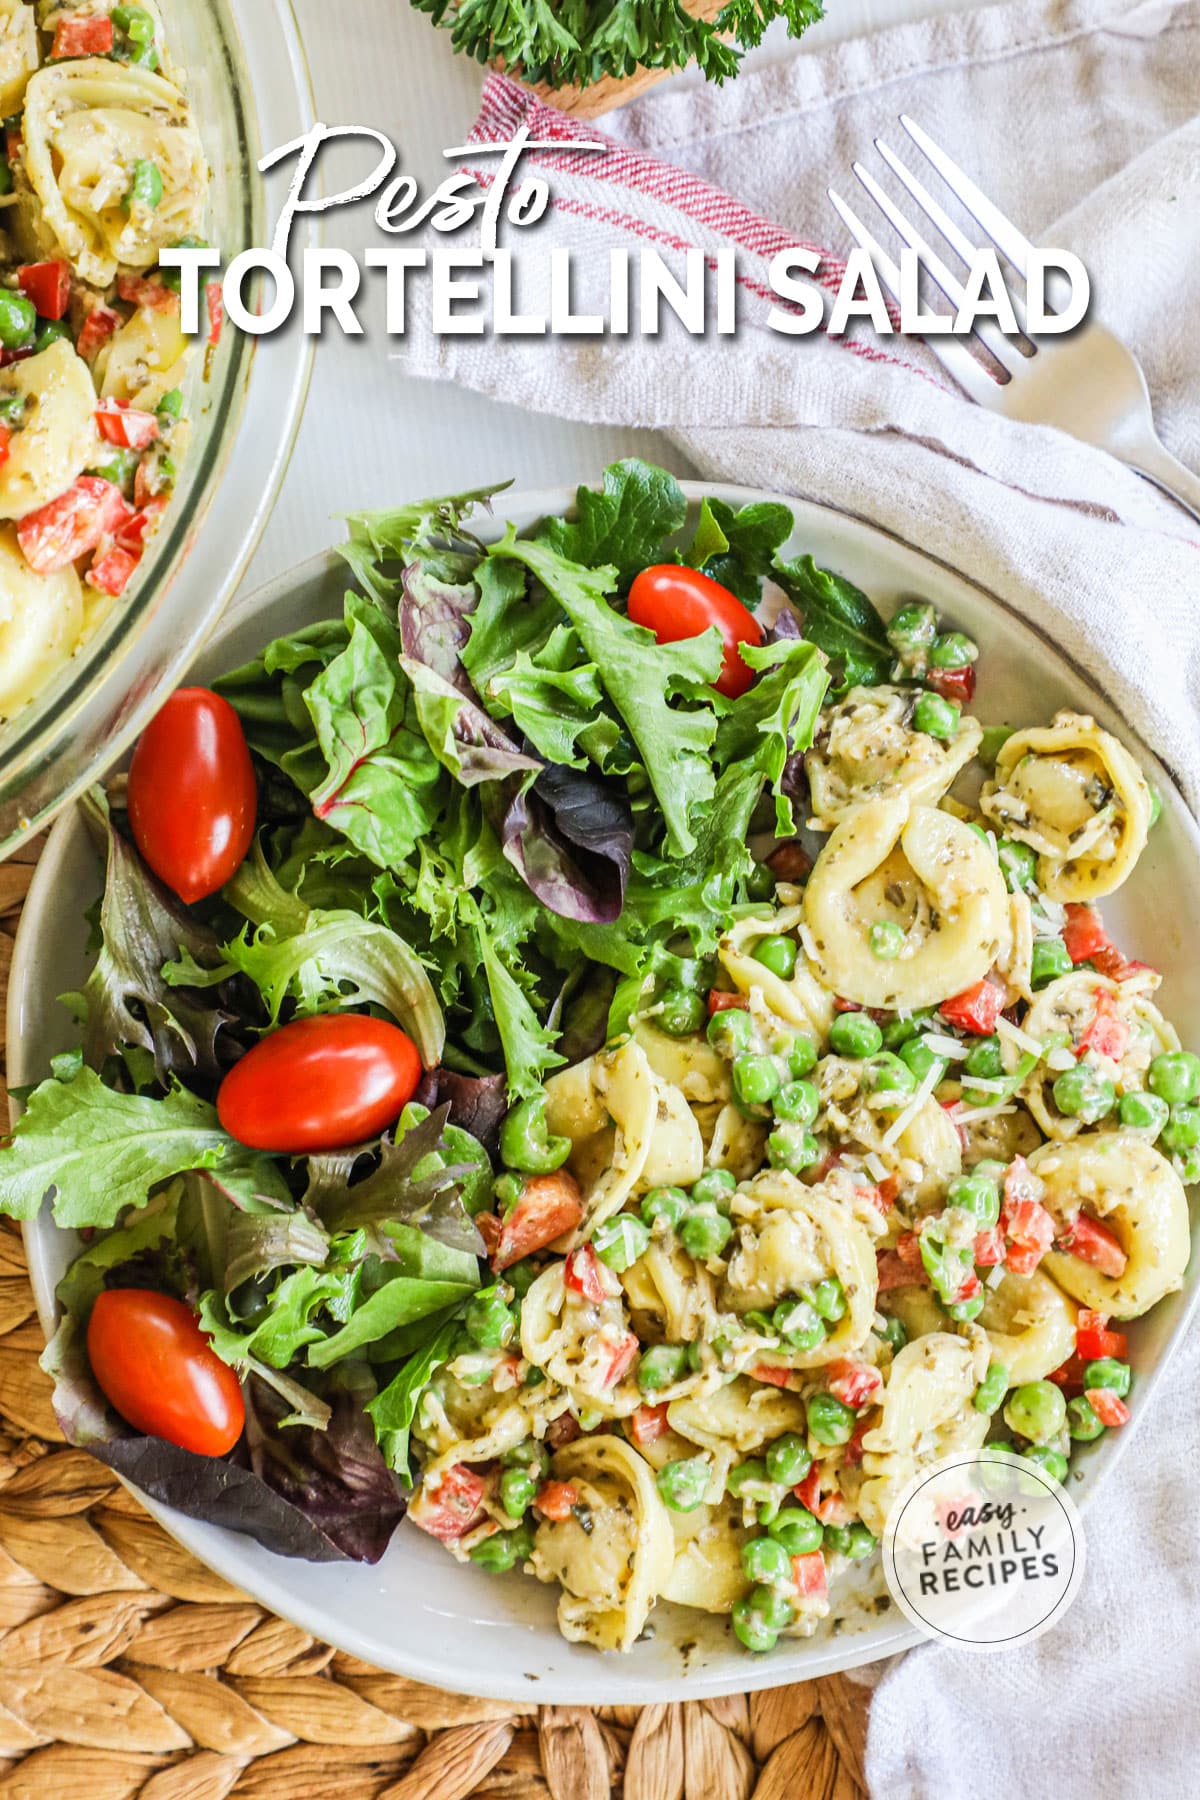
<point x="418" y="1612"/>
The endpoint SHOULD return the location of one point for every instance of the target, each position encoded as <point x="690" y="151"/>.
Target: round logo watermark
<point x="983" y="1550"/>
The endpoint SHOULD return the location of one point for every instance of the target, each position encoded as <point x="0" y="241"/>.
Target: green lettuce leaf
<point x="738" y="548"/>
<point x="552" y="695"/>
<point x="840" y="620"/>
<point x="624" y="524"/>
<point x="507" y="621"/>
<point x="775" y="718"/>
<point x="393" y="1410"/>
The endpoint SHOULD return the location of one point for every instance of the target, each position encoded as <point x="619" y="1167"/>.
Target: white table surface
<point x="373" y="435"/>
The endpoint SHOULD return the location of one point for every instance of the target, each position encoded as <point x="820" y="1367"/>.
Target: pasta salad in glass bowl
<point x="640" y="1070"/>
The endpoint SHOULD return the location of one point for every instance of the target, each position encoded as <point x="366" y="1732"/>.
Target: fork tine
<point x="958" y="240"/>
<point x="953" y="356"/>
<point x="1003" y="233"/>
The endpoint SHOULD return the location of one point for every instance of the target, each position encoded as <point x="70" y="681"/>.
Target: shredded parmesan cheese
<point x="972" y="1113"/>
<point x="903" y="1120"/>
<point x="1015" y="1035"/>
<point x="944" y="1046"/>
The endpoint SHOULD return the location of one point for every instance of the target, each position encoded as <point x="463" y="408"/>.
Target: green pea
<point x="984" y="1058"/>
<point x="797" y="1103"/>
<point x="534" y="1378"/>
<point x="760" y="882"/>
<point x="936" y="717"/>
<point x="53" y="331"/>
<point x="829" y="1298"/>
<point x="1187" y="1165"/>
<point x="888" y="1074"/>
<point x="1107" y="1372"/>
<point x="799" y="1324"/>
<point x="135" y="22"/>
<point x="716" y="1187"/>
<point x="1036" y="1410"/>
<point x="731" y="1030"/>
<point x="1081" y="1093"/>
<point x="6" y="180"/>
<point x="801" y="1057"/>
<point x="705" y="1233"/>
<point x="912" y="628"/>
<point x="521" y="1277"/>
<point x="146" y="188"/>
<point x="117" y="466"/>
<point x="620" y="1241"/>
<point x="1052" y="1461"/>
<point x="855" y="1034"/>
<point x="13" y="408"/>
<point x="669" y="1203"/>
<point x="902" y="1027"/>
<point x="525" y="1143"/>
<point x="788" y="1460"/>
<point x="917" y="1056"/>
<point x="1143" y="1112"/>
<point x="1182" y="1130"/>
<point x="963" y="1311"/>
<point x="793" y="1148"/>
<point x="171" y="405"/>
<point x="756" y="1079"/>
<point x="1174" y="1077"/>
<point x="662" y="1365"/>
<point x="977" y="1195"/>
<point x="893" y="1332"/>
<point x="489" y="1321"/>
<point x="517" y="1490"/>
<point x="173" y="278"/>
<point x="886" y="938"/>
<point x="830" y="1421"/>
<point x="529" y="1455"/>
<point x="777" y="954"/>
<point x="1083" y="1422"/>
<point x="1155" y="807"/>
<point x="501" y="1551"/>
<point x="953" y="650"/>
<point x="684" y="1484"/>
<point x="750" y="1628"/>
<point x="144" y="55"/>
<point x="1050" y="959"/>
<point x="1018" y="865"/>
<point x="749" y="1478"/>
<point x="18" y="320"/>
<point x="854" y="1541"/>
<point x="797" y="1530"/>
<point x="765" y="1559"/>
<point x="989" y="1395"/>
<point x="681" y="1012"/>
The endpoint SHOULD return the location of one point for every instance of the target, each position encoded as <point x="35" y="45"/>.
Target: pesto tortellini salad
<point x="621" y="1065"/>
<point x="102" y="169"/>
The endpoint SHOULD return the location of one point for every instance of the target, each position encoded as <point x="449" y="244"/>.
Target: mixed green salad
<point x="490" y="807"/>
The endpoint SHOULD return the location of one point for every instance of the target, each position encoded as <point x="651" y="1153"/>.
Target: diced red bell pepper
<point x="953" y="684"/>
<point x="14" y="137"/>
<point x="1092" y="1242"/>
<point x="448" y="1510"/>
<point x="5" y="444"/>
<point x="852" y="1455"/>
<point x="772" y="1374"/>
<point x="791" y="862"/>
<point x="989" y="1247"/>
<point x="216" y="311"/>
<point x="549" y="1205"/>
<point x="111" y="571"/>
<point x="133" y="534"/>
<point x="908" y="1249"/>
<point x="98" y="327"/>
<point x="971" y="1289"/>
<point x="623" y="1355"/>
<point x="1084" y="933"/>
<point x="583" y="1274"/>
<point x="648" y="1424"/>
<point x="125" y="425"/>
<point x="486" y="1224"/>
<point x="853" y="1383"/>
<point x="48" y="285"/>
<point x="149" y="291"/>
<point x="556" y="1498"/>
<point x="893" y="1272"/>
<point x="67" y="527"/>
<point x="1069" y="1375"/>
<point x="82" y="37"/>
<point x="719" y="1000"/>
<point x="1108" y="1407"/>
<point x="1093" y="1339"/>
<point x="976" y="1009"/>
<point x="831" y="1508"/>
<point x="841" y="1006"/>
<point x="1024" y="1221"/>
<point x="886" y="1192"/>
<point x="808" y="1573"/>
<point x="1107" y="1034"/>
<point x="1117" y="966"/>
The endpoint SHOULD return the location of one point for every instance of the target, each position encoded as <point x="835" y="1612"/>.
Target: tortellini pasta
<point x="920" y="869"/>
<point x="146" y="359"/>
<point x="613" y="1554"/>
<point x="88" y="122"/>
<point x="57" y="437"/>
<point x="580" y="1342"/>
<point x="1076" y="796"/>
<point x="800" y="1000"/>
<point x="1097" y="1016"/>
<point x="608" y="1107"/>
<point x="18" y="53"/>
<point x="926" y="1415"/>
<point x="1030" y="1325"/>
<point x="41" y="617"/>
<point x="867" y="748"/>
<point x="1119" y="1178"/>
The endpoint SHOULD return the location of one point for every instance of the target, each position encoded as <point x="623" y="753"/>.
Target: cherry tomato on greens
<point x="154" y="1363"/>
<point x="676" y="602"/>
<point x="319" y="1084"/>
<point x="192" y="793"/>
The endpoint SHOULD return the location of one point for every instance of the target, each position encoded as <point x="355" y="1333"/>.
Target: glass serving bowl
<point x="249" y="84"/>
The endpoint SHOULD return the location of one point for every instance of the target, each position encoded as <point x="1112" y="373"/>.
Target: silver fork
<point x="1088" y="383"/>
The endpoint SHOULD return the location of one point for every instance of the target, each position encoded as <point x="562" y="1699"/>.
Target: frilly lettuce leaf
<point x="623" y="524"/>
<point x="840" y="620"/>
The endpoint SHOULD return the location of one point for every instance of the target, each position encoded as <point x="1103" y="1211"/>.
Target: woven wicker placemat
<point x="128" y="1669"/>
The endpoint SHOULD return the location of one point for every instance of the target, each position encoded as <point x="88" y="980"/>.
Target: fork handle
<point x="1169" y="474"/>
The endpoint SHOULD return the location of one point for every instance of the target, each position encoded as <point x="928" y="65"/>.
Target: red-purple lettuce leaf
<point x="570" y="837"/>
